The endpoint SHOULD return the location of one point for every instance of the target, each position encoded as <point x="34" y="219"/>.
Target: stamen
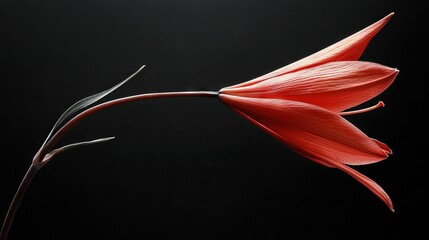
<point x="378" y="105"/>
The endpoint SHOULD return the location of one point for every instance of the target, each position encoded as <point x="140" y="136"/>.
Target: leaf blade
<point x="86" y="102"/>
<point x="56" y="151"/>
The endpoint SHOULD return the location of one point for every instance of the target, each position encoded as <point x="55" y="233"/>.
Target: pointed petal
<point x="369" y="183"/>
<point x="335" y="86"/>
<point x="313" y="132"/>
<point x="277" y="136"/>
<point x="348" y="49"/>
<point x="309" y="146"/>
<point x="383" y="146"/>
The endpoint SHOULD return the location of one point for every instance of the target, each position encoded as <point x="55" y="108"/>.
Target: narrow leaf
<point x="54" y="152"/>
<point x="86" y="102"/>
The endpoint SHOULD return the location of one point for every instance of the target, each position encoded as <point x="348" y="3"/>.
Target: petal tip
<point x="390" y="205"/>
<point x="394" y="72"/>
<point x="388" y="17"/>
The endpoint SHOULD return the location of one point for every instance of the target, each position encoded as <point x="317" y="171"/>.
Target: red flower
<point x="302" y="105"/>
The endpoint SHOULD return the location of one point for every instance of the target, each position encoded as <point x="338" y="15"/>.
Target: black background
<point x="192" y="168"/>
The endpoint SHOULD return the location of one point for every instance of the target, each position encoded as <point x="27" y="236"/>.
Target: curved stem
<point x="32" y="170"/>
<point x="38" y="158"/>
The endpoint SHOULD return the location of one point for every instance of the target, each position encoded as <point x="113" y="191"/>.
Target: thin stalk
<point x="47" y="147"/>
<point x="31" y="172"/>
<point x="66" y="127"/>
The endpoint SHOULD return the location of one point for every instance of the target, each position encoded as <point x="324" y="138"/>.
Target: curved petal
<point x="383" y="146"/>
<point x="279" y="137"/>
<point x="369" y="183"/>
<point x="348" y="49"/>
<point x="335" y="86"/>
<point x="313" y="132"/>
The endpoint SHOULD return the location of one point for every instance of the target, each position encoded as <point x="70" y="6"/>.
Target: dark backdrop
<point x="191" y="168"/>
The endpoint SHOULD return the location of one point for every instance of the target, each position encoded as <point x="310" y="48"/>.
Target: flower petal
<point x="348" y="49"/>
<point x="335" y="86"/>
<point x="314" y="132"/>
<point x="369" y="183"/>
<point x="383" y="146"/>
<point x="254" y="121"/>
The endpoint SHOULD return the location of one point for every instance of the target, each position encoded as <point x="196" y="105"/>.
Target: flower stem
<point x="46" y="148"/>
<point x="32" y="170"/>
<point x="66" y="127"/>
